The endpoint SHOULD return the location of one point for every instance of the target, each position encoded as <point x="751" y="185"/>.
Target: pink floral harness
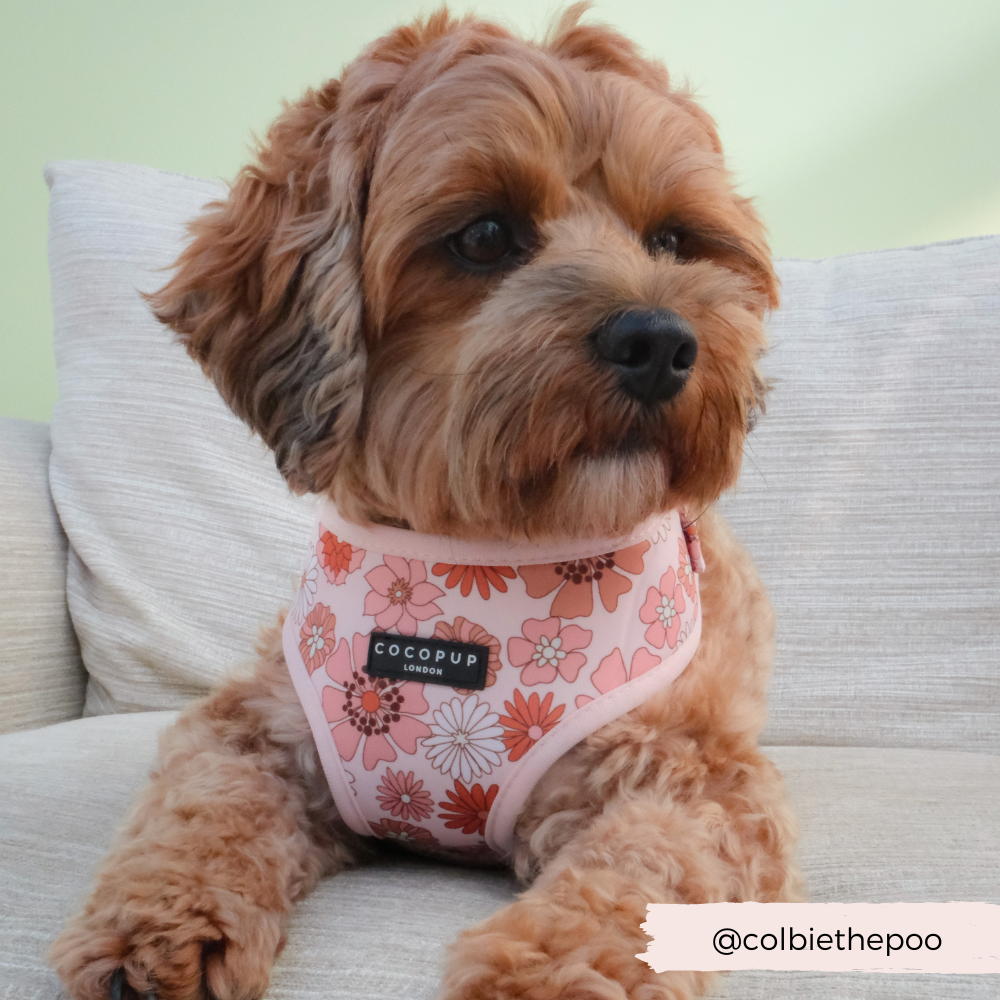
<point x="442" y="678"/>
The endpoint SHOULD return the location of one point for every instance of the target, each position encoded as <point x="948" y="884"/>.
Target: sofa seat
<point x="879" y="825"/>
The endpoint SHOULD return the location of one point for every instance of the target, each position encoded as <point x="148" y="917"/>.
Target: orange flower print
<point x="377" y="712"/>
<point x="465" y="631"/>
<point x="611" y="672"/>
<point x="576" y="578"/>
<point x="404" y="797"/>
<point x="527" y="722"/>
<point x="336" y="557"/>
<point x="468" y="808"/>
<point x="686" y="570"/>
<point x="403" y="833"/>
<point x="316" y="638"/>
<point x="483" y="576"/>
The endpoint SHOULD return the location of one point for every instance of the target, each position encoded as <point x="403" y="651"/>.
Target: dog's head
<point x="485" y="287"/>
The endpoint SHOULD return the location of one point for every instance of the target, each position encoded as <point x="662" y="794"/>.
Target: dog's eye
<point x="483" y="242"/>
<point x="667" y="241"/>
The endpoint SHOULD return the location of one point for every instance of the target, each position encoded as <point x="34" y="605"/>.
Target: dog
<point x="502" y="295"/>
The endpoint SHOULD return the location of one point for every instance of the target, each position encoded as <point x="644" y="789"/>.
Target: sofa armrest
<point x="42" y="677"/>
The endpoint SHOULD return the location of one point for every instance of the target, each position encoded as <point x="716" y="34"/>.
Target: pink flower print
<point x="465" y="631"/>
<point x="662" y="611"/>
<point x="374" y="710"/>
<point x="405" y="797"/>
<point x="403" y="833"/>
<point x="400" y="595"/>
<point x="684" y="634"/>
<point x="337" y="558"/>
<point x="577" y="577"/>
<point x="686" y="570"/>
<point x="611" y="672"/>
<point x="316" y="637"/>
<point x="547" y="651"/>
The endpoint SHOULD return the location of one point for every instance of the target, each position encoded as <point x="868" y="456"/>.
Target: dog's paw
<point x="120" y="988"/>
<point x="545" y="978"/>
<point x="180" y="946"/>
<point x="578" y="948"/>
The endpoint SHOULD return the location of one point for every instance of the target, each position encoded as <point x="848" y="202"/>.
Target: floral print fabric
<point x="547" y="649"/>
<point x="381" y="714"/>
<point x="572" y="644"/>
<point x="577" y="578"/>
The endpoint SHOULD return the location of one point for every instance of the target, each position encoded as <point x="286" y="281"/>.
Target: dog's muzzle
<point x="651" y="351"/>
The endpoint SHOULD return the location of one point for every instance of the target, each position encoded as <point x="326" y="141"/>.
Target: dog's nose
<point x="652" y="351"/>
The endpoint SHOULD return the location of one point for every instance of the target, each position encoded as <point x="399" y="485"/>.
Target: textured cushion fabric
<point x="887" y="826"/>
<point x="41" y="676"/>
<point x="870" y="499"/>
<point x="878" y="825"/>
<point x="164" y="494"/>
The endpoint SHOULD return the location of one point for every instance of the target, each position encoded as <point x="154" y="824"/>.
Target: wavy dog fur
<point x="323" y="298"/>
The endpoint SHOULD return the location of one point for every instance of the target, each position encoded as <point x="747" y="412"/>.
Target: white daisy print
<point x="662" y="531"/>
<point x="549" y="651"/>
<point x="306" y="595"/>
<point x="464" y="740"/>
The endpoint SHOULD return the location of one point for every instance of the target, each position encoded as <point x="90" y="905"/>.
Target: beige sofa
<point x="870" y="499"/>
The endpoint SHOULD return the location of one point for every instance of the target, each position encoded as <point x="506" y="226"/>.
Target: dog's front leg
<point x="575" y="933"/>
<point x="236" y="825"/>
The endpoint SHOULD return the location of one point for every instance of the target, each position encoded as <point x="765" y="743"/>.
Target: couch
<point x="870" y="499"/>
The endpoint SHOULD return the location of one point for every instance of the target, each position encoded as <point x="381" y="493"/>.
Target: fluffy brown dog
<point x="409" y="297"/>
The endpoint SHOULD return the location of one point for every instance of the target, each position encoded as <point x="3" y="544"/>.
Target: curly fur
<point x="322" y="300"/>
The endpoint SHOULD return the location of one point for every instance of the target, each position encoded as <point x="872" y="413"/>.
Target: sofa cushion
<point x="870" y="497"/>
<point x="878" y="825"/>
<point x="163" y="493"/>
<point x="41" y="675"/>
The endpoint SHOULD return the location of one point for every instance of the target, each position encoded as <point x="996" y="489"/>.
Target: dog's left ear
<point x="267" y="296"/>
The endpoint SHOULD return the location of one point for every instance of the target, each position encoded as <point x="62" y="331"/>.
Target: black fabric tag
<point x="428" y="661"/>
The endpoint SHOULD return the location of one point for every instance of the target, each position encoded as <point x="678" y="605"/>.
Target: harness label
<point x="428" y="661"/>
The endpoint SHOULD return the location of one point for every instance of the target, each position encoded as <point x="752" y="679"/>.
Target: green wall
<point x="856" y="125"/>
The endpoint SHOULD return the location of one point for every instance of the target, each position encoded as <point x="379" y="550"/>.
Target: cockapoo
<point x="498" y="305"/>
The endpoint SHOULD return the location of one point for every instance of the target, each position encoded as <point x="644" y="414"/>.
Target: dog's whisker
<point x="757" y="467"/>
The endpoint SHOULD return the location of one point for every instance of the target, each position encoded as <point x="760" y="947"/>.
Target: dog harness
<point x="442" y="678"/>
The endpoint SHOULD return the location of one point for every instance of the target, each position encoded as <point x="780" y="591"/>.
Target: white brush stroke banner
<point x="824" y="937"/>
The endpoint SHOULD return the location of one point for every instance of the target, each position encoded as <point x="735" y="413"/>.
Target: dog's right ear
<point x="267" y="296"/>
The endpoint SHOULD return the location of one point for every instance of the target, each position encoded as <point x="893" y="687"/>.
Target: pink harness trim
<point x="578" y="633"/>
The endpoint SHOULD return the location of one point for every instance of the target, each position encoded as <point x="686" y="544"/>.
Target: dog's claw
<point x="120" y="989"/>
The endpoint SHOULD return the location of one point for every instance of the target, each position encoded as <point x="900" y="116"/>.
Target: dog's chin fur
<point x="635" y="485"/>
<point x="324" y="299"/>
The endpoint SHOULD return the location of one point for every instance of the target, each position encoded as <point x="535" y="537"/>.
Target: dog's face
<point x="487" y="288"/>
